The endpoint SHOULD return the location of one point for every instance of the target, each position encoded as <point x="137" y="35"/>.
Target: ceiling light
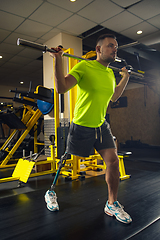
<point x="21" y="82"/>
<point x="139" y="32"/>
<point x="72" y="0"/>
<point x="0" y="56"/>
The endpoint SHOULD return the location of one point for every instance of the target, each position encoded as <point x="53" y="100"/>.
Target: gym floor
<point x="23" y="212"/>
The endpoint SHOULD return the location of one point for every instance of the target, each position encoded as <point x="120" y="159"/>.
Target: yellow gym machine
<point x="29" y="119"/>
<point x="34" y="105"/>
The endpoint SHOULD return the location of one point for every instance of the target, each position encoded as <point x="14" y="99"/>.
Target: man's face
<point x="108" y="50"/>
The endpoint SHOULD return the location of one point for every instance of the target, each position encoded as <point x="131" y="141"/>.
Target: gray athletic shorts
<point x="81" y="140"/>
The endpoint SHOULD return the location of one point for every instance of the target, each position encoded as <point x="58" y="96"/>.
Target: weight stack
<point x="62" y="133"/>
<point x="49" y="129"/>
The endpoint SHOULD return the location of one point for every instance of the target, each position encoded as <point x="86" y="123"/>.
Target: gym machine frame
<point x="24" y="166"/>
<point x="29" y="119"/>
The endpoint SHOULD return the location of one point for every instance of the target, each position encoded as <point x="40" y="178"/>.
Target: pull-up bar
<point x="45" y="49"/>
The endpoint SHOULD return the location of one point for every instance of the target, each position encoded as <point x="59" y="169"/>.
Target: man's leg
<point x="113" y="207"/>
<point x="112" y="172"/>
<point x="80" y="141"/>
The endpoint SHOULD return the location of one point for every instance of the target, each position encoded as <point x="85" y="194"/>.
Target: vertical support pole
<point x="35" y="139"/>
<point x="73" y="97"/>
<point x="75" y="166"/>
<point x="56" y="113"/>
<point x="73" y="91"/>
<point x="121" y="166"/>
<point x="53" y="164"/>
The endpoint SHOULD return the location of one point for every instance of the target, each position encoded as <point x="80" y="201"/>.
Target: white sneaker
<point x="51" y="200"/>
<point x="117" y="210"/>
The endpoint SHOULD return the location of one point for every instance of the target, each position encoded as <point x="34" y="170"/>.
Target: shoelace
<point x="120" y="209"/>
<point x="53" y="197"/>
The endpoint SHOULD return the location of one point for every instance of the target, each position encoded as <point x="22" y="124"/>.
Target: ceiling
<point x="41" y="20"/>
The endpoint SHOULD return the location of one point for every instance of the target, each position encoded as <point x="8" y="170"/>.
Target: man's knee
<point x="113" y="163"/>
<point x="110" y="157"/>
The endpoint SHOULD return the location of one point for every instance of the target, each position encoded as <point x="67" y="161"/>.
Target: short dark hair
<point x="102" y="37"/>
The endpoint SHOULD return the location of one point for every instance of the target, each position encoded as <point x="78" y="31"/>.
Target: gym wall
<point x="140" y="120"/>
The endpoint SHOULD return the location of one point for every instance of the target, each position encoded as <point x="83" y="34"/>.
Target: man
<point x="96" y="86"/>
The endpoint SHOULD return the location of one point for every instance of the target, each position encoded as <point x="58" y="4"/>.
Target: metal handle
<point x="30" y="44"/>
<point x="135" y="74"/>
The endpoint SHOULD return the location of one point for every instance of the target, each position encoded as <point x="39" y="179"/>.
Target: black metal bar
<point x="6" y="97"/>
<point x="44" y="48"/>
<point x="31" y="95"/>
<point x="61" y="164"/>
<point x="129" y="45"/>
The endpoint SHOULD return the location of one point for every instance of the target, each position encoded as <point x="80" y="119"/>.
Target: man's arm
<point x="62" y="83"/>
<point x="121" y="86"/>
